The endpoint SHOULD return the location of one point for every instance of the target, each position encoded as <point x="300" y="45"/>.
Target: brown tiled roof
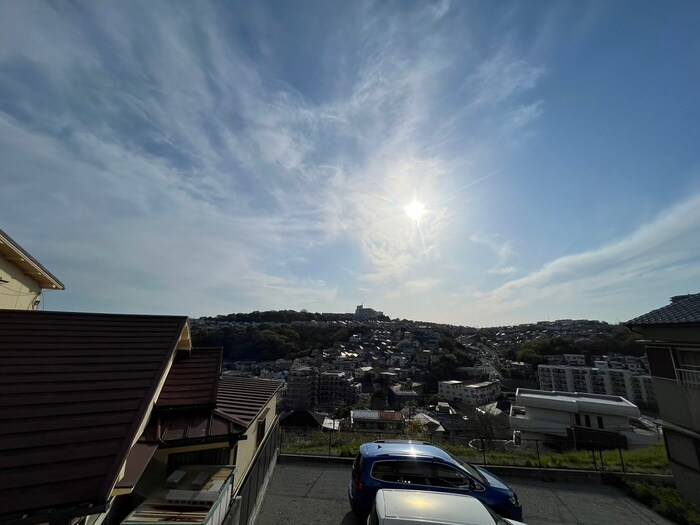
<point x="74" y="390"/>
<point x="243" y="398"/>
<point x="683" y="309"/>
<point x="191" y="427"/>
<point x="193" y="381"/>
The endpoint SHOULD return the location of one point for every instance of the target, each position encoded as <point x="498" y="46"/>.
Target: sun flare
<point x="415" y="210"/>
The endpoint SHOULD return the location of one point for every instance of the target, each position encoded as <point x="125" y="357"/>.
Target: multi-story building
<point x="337" y="389"/>
<point x="302" y="389"/>
<point x="673" y="351"/>
<point x="472" y="394"/>
<point x="605" y="381"/>
<point x="575" y="359"/>
<point x="365" y="314"/>
<point x="22" y="277"/>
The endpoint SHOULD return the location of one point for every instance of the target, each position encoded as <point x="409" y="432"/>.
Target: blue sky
<point x="205" y="158"/>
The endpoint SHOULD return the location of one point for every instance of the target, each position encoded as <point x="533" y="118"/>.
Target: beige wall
<point x="21" y="291"/>
<point x="247" y="448"/>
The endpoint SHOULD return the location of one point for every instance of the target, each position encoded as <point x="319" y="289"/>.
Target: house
<point x="578" y="420"/>
<point x="76" y="391"/>
<point x="376" y="420"/>
<point x="117" y="417"/>
<point x="22" y="277"/>
<point x="672" y="343"/>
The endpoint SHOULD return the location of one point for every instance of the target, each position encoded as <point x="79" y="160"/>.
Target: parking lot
<point x="315" y="493"/>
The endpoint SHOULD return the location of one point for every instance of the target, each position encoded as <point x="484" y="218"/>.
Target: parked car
<point x="423" y="466"/>
<point x="422" y="507"/>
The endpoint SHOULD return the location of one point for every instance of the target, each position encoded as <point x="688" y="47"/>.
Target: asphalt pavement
<point x="316" y="493"/>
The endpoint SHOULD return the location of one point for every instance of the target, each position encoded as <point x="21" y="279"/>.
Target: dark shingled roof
<point x="243" y="398"/>
<point x="186" y="408"/>
<point x="74" y="390"/>
<point x="683" y="309"/>
<point x="193" y="381"/>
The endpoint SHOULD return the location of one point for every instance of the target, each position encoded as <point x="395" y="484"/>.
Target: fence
<point x="489" y="451"/>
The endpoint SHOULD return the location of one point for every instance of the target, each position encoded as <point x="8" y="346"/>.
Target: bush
<point x="665" y="501"/>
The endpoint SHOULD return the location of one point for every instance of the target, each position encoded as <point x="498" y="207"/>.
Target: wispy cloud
<point x="172" y="160"/>
<point x="502" y="76"/>
<point x="502" y="249"/>
<point x="654" y="260"/>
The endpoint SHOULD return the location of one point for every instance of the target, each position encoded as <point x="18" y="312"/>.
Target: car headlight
<point x="514" y="500"/>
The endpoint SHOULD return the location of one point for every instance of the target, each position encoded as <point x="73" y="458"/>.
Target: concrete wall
<point x="20" y="292"/>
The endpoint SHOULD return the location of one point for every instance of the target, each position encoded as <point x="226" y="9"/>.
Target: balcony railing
<point x="689" y="377"/>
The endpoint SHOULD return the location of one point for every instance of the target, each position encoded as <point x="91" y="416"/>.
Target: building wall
<point x="607" y="381"/>
<point x="248" y="447"/>
<point x="21" y="292"/>
<point x="678" y="397"/>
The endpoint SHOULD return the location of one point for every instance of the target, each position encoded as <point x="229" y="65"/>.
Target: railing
<point x="248" y="495"/>
<point x="562" y="454"/>
<point x="689" y="377"/>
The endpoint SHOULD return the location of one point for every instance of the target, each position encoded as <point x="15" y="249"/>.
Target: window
<point x="445" y="476"/>
<point x="660" y="362"/>
<point x="682" y="449"/>
<point x="588" y="420"/>
<point x="409" y="472"/>
<point x="600" y="422"/>
<point x="260" y="432"/>
<point x="578" y="419"/>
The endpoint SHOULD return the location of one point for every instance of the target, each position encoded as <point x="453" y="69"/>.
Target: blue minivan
<point x="422" y="466"/>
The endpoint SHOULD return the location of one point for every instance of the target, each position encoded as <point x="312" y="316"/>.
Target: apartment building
<point x="477" y="394"/>
<point x="673" y="349"/>
<point x="337" y="389"/>
<point x="302" y="389"/>
<point x="604" y="381"/>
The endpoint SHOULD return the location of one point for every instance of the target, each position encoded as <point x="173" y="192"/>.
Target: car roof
<point x="403" y="448"/>
<point x="405" y="506"/>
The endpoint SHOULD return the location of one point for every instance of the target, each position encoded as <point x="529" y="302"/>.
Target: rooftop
<point x="242" y="398"/>
<point x="576" y="402"/>
<point x="29" y="265"/>
<point x="683" y="309"/>
<point x="74" y="390"/>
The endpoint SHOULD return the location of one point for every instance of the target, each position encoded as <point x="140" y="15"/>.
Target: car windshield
<point x="470" y="469"/>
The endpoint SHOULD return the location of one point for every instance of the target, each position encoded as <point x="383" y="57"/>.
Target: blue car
<point x="422" y="466"/>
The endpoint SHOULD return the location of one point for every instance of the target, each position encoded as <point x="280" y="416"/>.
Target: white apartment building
<point x="604" y="381"/>
<point x="472" y="394"/>
<point x="544" y="415"/>
<point x="575" y="359"/>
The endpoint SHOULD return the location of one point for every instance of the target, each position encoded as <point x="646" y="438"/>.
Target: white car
<point x="423" y="507"/>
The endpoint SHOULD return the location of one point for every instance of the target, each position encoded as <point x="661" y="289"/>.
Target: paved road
<point x="315" y="493"/>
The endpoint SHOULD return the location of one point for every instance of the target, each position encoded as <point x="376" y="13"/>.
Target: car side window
<point x="409" y="472"/>
<point x="446" y="476"/>
<point x="414" y="472"/>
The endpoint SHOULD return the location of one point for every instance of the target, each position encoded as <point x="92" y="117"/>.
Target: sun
<point x="415" y="210"/>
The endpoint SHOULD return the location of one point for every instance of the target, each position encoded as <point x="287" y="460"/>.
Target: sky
<point x="474" y="163"/>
